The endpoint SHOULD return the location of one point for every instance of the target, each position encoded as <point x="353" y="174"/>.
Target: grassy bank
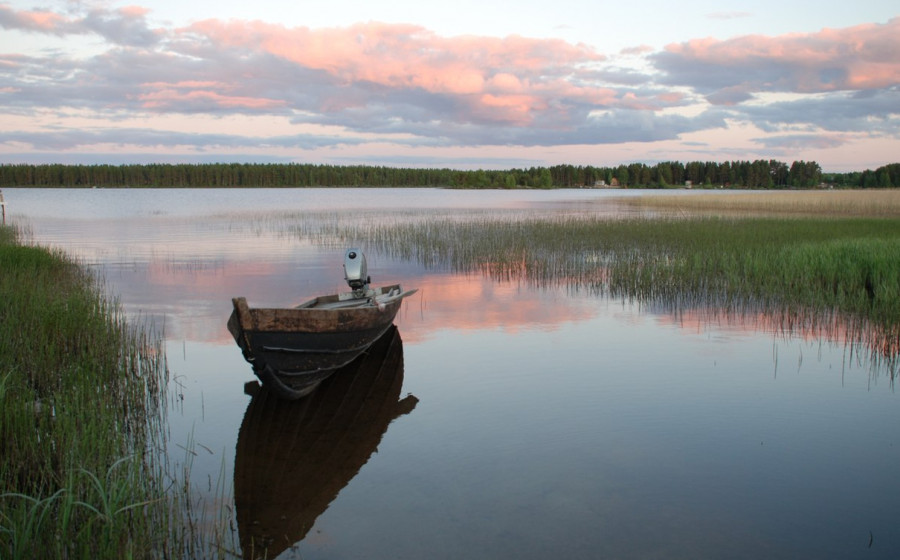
<point x="80" y="417"/>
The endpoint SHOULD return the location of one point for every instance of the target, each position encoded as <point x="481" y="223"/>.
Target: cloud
<point x="807" y="90"/>
<point x="855" y="58"/>
<point x="202" y="96"/>
<point x="406" y="85"/>
<point x="875" y="113"/>
<point x="123" y="26"/>
<point x="731" y="95"/>
<point x="149" y="138"/>
<point x="367" y="78"/>
<point x="638" y="50"/>
<point x="793" y="142"/>
<point x="32" y="20"/>
<point x="502" y="80"/>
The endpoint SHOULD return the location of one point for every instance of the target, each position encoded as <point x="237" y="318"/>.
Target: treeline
<point x="759" y="174"/>
<point x="885" y="177"/>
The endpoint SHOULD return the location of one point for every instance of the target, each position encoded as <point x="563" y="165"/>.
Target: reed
<point x="80" y="417"/>
<point x="803" y="264"/>
<point x="860" y="203"/>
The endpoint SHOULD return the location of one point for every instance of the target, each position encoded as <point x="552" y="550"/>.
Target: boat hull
<point x="293" y="349"/>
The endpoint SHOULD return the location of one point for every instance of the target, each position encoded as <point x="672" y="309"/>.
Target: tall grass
<point x="859" y="203"/>
<point x="797" y="266"/>
<point x="80" y="417"/>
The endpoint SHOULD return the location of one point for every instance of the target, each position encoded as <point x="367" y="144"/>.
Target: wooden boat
<point x="293" y="458"/>
<point x="293" y="349"/>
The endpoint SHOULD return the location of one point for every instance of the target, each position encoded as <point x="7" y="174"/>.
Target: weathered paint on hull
<point x="293" y="349"/>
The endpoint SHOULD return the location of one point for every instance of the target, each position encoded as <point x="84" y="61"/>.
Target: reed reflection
<point x="876" y="345"/>
<point x="294" y="457"/>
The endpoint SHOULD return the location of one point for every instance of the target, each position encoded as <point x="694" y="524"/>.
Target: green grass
<point x="845" y="265"/>
<point x="80" y="417"/>
<point x="791" y="266"/>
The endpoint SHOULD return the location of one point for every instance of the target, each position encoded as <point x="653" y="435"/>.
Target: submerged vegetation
<point x="80" y="416"/>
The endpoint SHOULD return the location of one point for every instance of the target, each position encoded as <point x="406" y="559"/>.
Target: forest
<point x="759" y="174"/>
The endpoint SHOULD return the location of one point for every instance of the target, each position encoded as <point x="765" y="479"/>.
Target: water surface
<point x="524" y="421"/>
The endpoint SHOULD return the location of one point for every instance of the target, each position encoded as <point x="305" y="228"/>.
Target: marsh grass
<point x="859" y="203"/>
<point x="80" y="416"/>
<point x="798" y="266"/>
<point x="206" y="528"/>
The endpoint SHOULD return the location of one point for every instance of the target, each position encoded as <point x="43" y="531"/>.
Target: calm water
<point x="523" y="422"/>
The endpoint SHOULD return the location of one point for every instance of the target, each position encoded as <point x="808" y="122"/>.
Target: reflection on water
<point x="560" y="422"/>
<point x="294" y="457"/>
<point x="863" y="342"/>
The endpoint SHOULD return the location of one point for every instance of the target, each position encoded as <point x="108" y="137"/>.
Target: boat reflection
<point x="294" y="457"/>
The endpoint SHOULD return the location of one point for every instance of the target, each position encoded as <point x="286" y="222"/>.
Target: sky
<point x="466" y="84"/>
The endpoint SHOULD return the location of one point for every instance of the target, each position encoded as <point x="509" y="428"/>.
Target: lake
<point x="507" y="419"/>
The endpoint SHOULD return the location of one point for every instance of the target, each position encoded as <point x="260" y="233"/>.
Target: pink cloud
<point x="125" y="25"/>
<point x="133" y="12"/>
<point x="637" y="51"/>
<point x="671" y="98"/>
<point x="506" y="82"/>
<point x="632" y="101"/>
<point x="513" y="109"/>
<point x="859" y="57"/>
<point x="183" y="84"/>
<point x="173" y="95"/>
<point x="513" y="73"/>
<point x="37" y="20"/>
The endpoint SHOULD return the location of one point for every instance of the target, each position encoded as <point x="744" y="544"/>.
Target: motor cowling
<point x="356" y="272"/>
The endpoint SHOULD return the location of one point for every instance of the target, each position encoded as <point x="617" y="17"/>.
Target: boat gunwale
<point x="312" y="320"/>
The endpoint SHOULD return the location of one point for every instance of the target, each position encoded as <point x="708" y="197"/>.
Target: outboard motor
<point x="355" y="271"/>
